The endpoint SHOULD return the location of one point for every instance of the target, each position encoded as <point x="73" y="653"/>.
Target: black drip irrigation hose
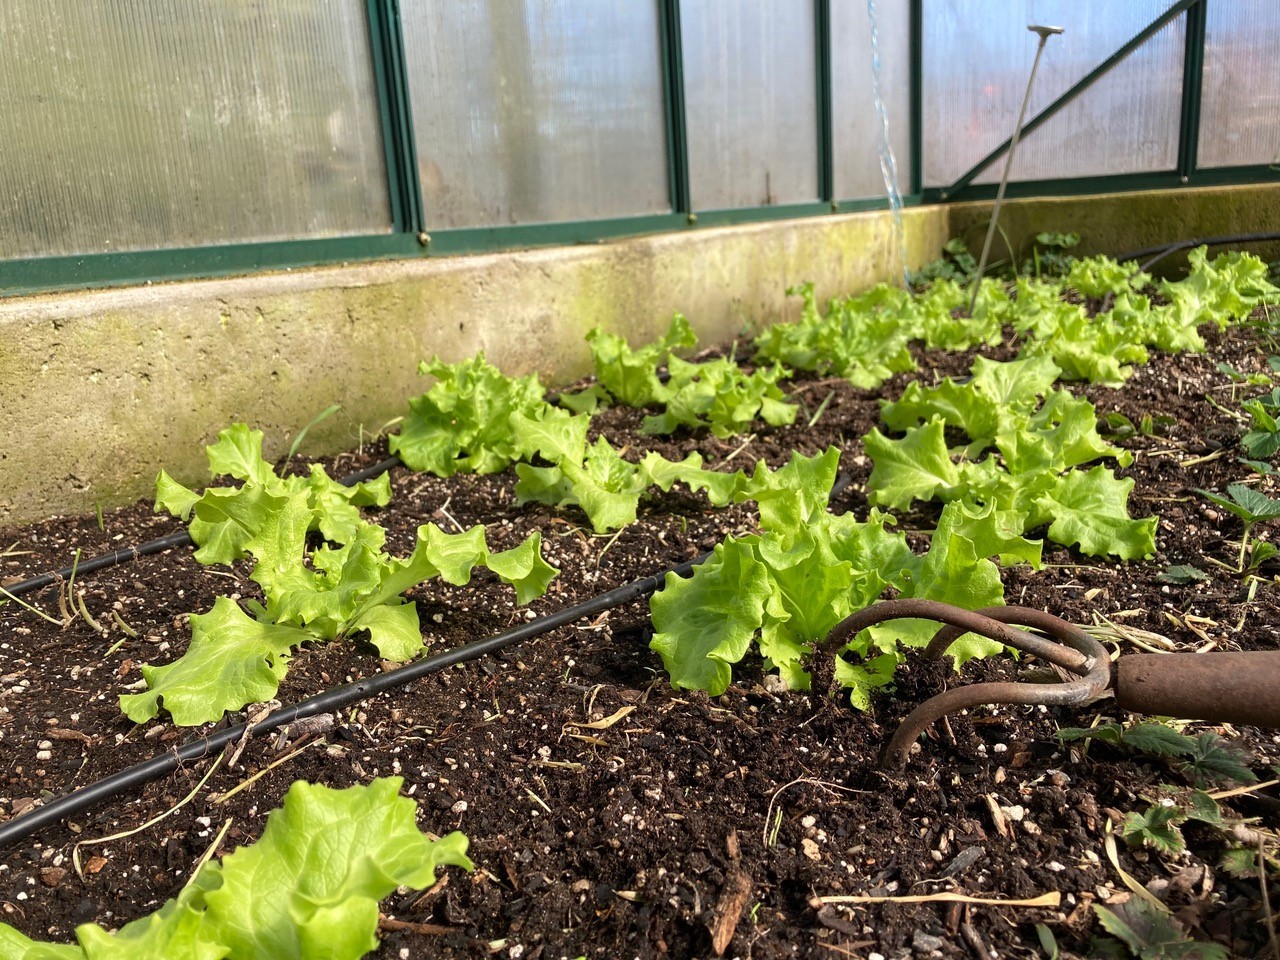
<point x="142" y="773"/>
<point x="139" y="774"/>
<point x="1165" y="249"/>
<point x="181" y="538"/>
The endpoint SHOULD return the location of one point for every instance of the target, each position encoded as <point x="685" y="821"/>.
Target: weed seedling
<point x="1252" y="507"/>
<point x="1263" y="438"/>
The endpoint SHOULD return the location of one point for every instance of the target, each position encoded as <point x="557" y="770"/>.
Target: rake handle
<point x="1219" y="687"/>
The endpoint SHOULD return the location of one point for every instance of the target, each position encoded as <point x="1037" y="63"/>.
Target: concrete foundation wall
<point x="1120" y="222"/>
<point x="100" y="390"/>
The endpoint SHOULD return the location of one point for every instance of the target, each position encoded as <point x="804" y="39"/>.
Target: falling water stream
<point x="888" y="167"/>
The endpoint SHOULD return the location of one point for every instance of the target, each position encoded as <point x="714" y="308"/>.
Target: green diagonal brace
<point x="1084" y="83"/>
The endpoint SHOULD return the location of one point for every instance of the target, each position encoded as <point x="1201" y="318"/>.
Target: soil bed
<point x="675" y="812"/>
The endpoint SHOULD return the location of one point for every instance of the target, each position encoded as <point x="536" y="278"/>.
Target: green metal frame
<point x="1081" y="85"/>
<point x="407" y="236"/>
<point x="397" y="118"/>
<point x="126" y="269"/>
<point x="826" y="120"/>
<point x="1192" y="86"/>
<point x="673" y="92"/>
<point x="916" y="119"/>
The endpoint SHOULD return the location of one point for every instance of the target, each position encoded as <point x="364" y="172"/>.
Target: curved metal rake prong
<point x="1092" y="685"/>
<point x="988" y="622"/>
<point x="1081" y="655"/>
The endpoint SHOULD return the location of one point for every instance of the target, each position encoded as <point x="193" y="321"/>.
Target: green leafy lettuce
<point x="720" y="396"/>
<point x="223" y="520"/>
<point x="714" y="394"/>
<point x="632" y="375"/>
<point x="855" y="339"/>
<point x="781" y="591"/>
<point x="460" y="424"/>
<point x="1023" y="444"/>
<point x="318" y="595"/>
<point x="594" y="476"/>
<point x="309" y="887"/>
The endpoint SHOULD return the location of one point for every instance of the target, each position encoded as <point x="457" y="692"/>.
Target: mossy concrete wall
<point x="100" y="390"/>
<point x="1116" y="223"/>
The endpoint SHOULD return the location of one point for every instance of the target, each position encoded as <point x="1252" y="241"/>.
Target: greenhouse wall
<point x="144" y="141"/>
<point x="381" y="177"/>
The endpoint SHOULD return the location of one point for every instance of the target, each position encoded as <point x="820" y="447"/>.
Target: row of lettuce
<point x="1003" y="448"/>
<point x="1004" y="452"/>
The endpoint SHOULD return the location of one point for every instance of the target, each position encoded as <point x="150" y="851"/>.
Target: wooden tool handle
<point x="1218" y="687"/>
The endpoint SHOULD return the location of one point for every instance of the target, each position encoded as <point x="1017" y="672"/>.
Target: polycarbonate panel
<point x="529" y="111"/>
<point x="750" y="87"/>
<point x="978" y="56"/>
<point x="1240" y="105"/>
<point x="135" y="124"/>
<point x="855" y="123"/>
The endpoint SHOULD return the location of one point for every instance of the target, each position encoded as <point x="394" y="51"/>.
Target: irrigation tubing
<point x="1165" y="249"/>
<point x="181" y="538"/>
<point x="335" y="699"/>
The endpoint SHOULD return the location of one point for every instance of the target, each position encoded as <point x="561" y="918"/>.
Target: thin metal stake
<point x="1044" y="33"/>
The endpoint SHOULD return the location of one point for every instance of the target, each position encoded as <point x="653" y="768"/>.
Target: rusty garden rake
<point x="1218" y="687"/>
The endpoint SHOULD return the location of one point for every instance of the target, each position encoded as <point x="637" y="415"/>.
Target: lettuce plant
<point x="782" y="590"/>
<point x="631" y="376"/>
<point x="720" y="396"/>
<point x="712" y="394"/>
<point x="309" y="887"/>
<point x="222" y="520"/>
<point x="594" y="476"/>
<point x="1100" y="275"/>
<point x="317" y="595"/>
<point x="854" y="340"/>
<point x="1024" y="443"/>
<point x="460" y="424"/>
<point x="1222" y="290"/>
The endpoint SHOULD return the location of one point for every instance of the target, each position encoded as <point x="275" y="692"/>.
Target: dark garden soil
<point x="611" y="816"/>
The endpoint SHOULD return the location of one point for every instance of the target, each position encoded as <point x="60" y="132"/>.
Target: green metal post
<point x="916" y="119"/>
<point x="826" y="129"/>
<point x="392" y="82"/>
<point x="677" y="122"/>
<point x="1192" y="84"/>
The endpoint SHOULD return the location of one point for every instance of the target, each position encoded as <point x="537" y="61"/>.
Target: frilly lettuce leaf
<point x="224" y="519"/>
<point x="309" y="887"/>
<point x="460" y="424"/>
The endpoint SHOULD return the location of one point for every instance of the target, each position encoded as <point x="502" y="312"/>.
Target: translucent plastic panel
<point x="528" y="111"/>
<point x="978" y="55"/>
<point x="1240" y="109"/>
<point x="751" y="100"/>
<point x="855" y="125"/>
<point x="133" y="124"/>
